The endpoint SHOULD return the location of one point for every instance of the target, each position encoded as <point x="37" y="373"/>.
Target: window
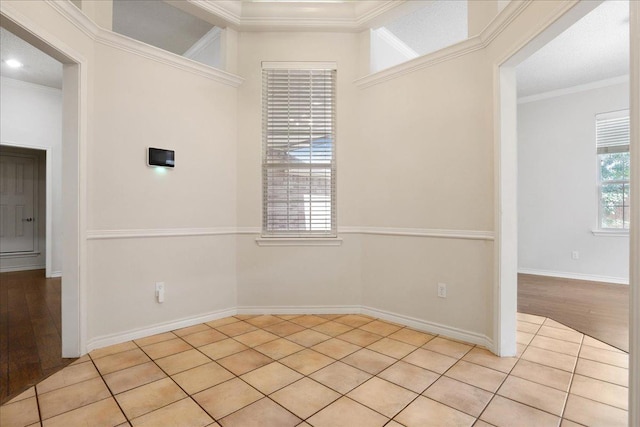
<point x="298" y="154"/>
<point x="612" y="140"/>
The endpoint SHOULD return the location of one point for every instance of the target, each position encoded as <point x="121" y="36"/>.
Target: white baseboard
<point x="576" y="276"/>
<point x="10" y="268"/>
<point x="134" y="334"/>
<point x="303" y="309"/>
<point x="56" y="274"/>
<point x="431" y="327"/>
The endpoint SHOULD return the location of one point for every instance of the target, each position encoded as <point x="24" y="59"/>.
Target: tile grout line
<point x="573" y="373"/>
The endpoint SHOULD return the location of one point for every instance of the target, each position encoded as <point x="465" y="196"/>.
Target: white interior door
<point x="17" y="200"/>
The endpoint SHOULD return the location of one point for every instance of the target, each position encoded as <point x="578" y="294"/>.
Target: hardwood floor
<point x="30" y="330"/>
<point x="600" y="310"/>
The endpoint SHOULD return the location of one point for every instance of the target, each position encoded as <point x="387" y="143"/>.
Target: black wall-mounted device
<point x="160" y="157"/>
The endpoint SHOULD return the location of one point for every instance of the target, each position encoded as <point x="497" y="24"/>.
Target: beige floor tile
<point x="524" y="338"/>
<point x="205" y="337"/>
<point x="335" y="348"/>
<point x="340" y="377"/>
<point x="600" y="391"/>
<point x="245" y="361"/>
<point x="255" y="338"/>
<point x="381" y="328"/>
<point x="102" y="413"/>
<point x="263" y="413"/>
<point x="483" y="357"/>
<point x="480" y="423"/>
<point x="533" y="394"/>
<point x="332" y="328"/>
<point x="223" y="348"/>
<point x="369" y="361"/>
<point x="412" y="337"/>
<point x="71" y="374"/>
<point x="226" y="398"/>
<point x="561" y="334"/>
<point x="409" y="376"/>
<point x="284" y="328"/>
<point x="305" y="397"/>
<point x="191" y="330"/>
<point x="430" y="360"/>
<point x="307" y="361"/>
<point x="149" y="397"/>
<point x="360" y="337"/>
<point x="182" y="361"/>
<point x="264" y="321"/>
<point x="476" y="375"/>
<point x="153" y="339"/>
<point x="530" y="328"/>
<point x="308" y="337"/>
<point x="594" y="414"/>
<point x="393" y="424"/>
<point x="119" y="361"/>
<point x="330" y="316"/>
<point x="222" y="322"/>
<point x="542" y="374"/>
<point x="503" y="412"/>
<point x="82" y="359"/>
<point x="592" y="342"/>
<point x="531" y="318"/>
<point x="448" y="347"/>
<point x="560" y="346"/>
<point x="237" y="328"/>
<point x="19" y="413"/>
<point x="463" y="397"/>
<point x="30" y="392"/>
<point x="133" y="377"/>
<point x="112" y="349"/>
<point x="392" y="348"/>
<point x="271" y="377"/>
<point x="245" y="316"/>
<point x="184" y="412"/>
<point x="550" y="358"/>
<point x="424" y="412"/>
<point x="166" y="348"/>
<point x="603" y="372"/>
<point x="74" y="396"/>
<point x="354" y="320"/>
<point x="309" y="321"/>
<point x="604" y="356"/>
<point x="279" y="348"/>
<point x="567" y="423"/>
<point x="346" y="413"/>
<point x="553" y="324"/>
<point x="382" y="396"/>
<point x="288" y="316"/>
<point x="202" y="377"/>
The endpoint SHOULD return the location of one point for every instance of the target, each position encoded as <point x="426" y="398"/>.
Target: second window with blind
<point x="298" y="150"/>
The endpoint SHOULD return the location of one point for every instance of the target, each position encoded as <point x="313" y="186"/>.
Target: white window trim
<point x="293" y="238"/>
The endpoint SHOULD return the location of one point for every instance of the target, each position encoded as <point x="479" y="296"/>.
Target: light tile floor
<point x="330" y="371"/>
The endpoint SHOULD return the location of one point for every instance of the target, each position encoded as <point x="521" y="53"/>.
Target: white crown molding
<point x="472" y="44"/>
<point x="225" y="231"/>
<point x="20" y="84"/>
<point x="396" y="43"/>
<point x="574" y="89"/>
<point x="574" y="276"/>
<point x="204" y="42"/>
<point x="118" y="41"/>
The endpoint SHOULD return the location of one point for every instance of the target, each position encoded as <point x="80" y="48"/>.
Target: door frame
<point x="49" y="199"/>
<point x="74" y="189"/>
<point x="505" y="155"/>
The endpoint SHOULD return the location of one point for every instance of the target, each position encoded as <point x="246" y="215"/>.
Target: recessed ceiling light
<point x="13" y="63"/>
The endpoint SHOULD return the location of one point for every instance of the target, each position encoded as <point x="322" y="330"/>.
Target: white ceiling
<point x="593" y="49"/>
<point x="39" y="68"/>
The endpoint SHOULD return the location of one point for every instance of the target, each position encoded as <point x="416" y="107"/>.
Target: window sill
<point x="611" y="233"/>
<point x="299" y="241"/>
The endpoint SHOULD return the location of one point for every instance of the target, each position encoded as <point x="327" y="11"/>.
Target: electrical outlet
<point x="160" y="292"/>
<point x="442" y="290"/>
<point x="575" y="255"/>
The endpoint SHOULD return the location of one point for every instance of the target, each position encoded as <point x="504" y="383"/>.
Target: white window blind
<point x="298" y="157"/>
<point x="613" y="132"/>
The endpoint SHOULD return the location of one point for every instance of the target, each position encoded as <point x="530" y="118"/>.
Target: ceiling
<point x="593" y="49"/>
<point x="39" y="68"/>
